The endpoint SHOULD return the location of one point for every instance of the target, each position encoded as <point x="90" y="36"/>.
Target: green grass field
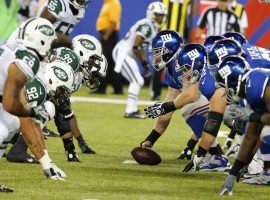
<point x="103" y="176"/>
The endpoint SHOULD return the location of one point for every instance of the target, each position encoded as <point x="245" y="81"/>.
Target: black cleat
<point x="5" y="189"/>
<point x="49" y="133"/>
<point x="86" y="149"/>
<point x="135" y="115"/>
<point x="72" y="156"/>
<point x="22" y="157"/>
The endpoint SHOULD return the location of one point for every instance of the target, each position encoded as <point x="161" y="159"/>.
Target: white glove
<point x="39" y="114"/>
<point x="240" y="113"/>
<point x="227" y="187"/>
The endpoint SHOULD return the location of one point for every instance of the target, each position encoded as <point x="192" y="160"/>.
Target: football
<point x="146" y="156"/>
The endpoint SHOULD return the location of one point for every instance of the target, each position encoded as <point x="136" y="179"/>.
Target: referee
<point x="217" y="20"/>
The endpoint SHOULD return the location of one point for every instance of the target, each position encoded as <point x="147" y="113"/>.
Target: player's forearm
<point x="140" y="54"/>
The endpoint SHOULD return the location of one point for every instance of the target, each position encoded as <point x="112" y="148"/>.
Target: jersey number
<point x="64" y="27"/>
<point x="32" y="93"/>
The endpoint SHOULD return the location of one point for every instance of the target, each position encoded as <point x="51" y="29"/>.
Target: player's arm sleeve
<point x="203" y="19"/>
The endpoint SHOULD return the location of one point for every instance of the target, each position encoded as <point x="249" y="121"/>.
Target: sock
<point x="133" y="92"/>
<point x="80" y="139"/>
<point x="201" y="152"/>
<point x="68" y="144"/>
<point x="191" y="144"/>
<point x="232" y="134"/>
<point x="214" y="151"/>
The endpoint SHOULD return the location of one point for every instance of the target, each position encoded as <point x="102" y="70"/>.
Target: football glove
<point x="227" y="187"/>
<point x="39" y="114"/>
<point x="194" y="163"/>
<point x="238" y="112"/>
<point x="159" y="109"/>
<point x="186" y="153"/>
<point x="52" y="174"/>
<point x="63" y="106"/>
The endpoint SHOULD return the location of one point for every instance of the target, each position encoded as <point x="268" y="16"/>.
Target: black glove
<point x="39" y="114"/>
<point x="186" y="153"/>
<point x="159" y="109"/>
<point x="147" y="73"/>
<point x="63" y="106"/>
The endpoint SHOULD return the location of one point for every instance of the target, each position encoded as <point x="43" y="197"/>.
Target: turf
<point x="103" y="176"/>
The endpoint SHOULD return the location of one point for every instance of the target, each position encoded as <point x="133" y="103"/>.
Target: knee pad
<point x="63" y="126"/>
<point x="213" y="123"/>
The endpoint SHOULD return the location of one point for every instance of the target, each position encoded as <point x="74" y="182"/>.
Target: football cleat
<point x="5" y="189"/>
<point x="22" y="157"/>
<point x="215" y="163"/>
<point x="135" y="115"/>
<point x="72" y="156"/>
<point x="186" y="153"/>
<point x="233" y="150"/>
<point x="262" y="179"/>
<point x="86" y="149"/>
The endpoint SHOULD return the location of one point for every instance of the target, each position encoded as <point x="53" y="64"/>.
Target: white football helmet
<point x="156" y="8"/>
<point x="89" y="50"/>
<point x="79" y="3"/>
<point x="58" y="78"/>
<point x="38" y="34"/>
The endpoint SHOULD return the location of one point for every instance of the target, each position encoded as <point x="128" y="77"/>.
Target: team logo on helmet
<point x="46" y="30"/>
<point x="88" y="44"/>
<point x="60" y="73"/>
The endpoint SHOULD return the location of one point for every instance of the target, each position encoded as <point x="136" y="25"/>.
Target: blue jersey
<point x="207" y="84"/>
<point x="255" y="88"/>
<point x="256" y="57"/>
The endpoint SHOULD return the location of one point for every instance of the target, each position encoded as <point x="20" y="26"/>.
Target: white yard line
<point x="108" y="100"/>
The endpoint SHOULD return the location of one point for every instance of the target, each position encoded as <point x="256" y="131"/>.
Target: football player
<point x="89" y="65"/>
<point x="238" y="80"/>
<point x="20" y="63"/>
<point x="64" y="15"/>
<point x="131" y="48"/>
<point x="194" y="106"/>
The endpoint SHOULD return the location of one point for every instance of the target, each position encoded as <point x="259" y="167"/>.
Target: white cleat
<point x="263" y="179"/>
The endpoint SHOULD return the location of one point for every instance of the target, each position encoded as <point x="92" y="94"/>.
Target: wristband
<point x="255" y="117"/>
<point x="168" y="107"/>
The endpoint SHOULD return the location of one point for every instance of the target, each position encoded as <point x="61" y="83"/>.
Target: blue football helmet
<point x="222" y="49"/>
<point x="232" y="71"/>
<point x="189" y="64"/>
<point x="238" y="37"/>
<point x="164" y="47"/>
<point x="210" y="41"/>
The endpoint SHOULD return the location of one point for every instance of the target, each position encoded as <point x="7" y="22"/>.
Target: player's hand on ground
<point x="227" y="186"/>
<point x="146" y="144"/>
<point x="51" y="174"/>
<point x="193" y="163"/>
<point x="155" y="110"/>
<point x="39" y="114"/>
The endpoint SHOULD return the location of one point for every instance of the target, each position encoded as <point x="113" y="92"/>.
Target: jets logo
<point x="88" y="44"/>
<point x="221" y="52"/>
<point x="166" y="37"/>
<point x="193" y="54"/>
<point x="46" y="30"/>
<point x="60" y="73"/>
<point x="225" y="71"/>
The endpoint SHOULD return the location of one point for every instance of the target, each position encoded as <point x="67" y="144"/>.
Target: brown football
<point x="146" y="156"/>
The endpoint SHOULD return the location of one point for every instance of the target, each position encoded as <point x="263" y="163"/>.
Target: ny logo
<point x="221" y="52"/>
<point x="166" y="38"/>
<point x="193" y="54"/>
<point x="225" y="71"/>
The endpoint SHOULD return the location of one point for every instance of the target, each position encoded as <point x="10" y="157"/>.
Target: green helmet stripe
<point x="23" y="30"/>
